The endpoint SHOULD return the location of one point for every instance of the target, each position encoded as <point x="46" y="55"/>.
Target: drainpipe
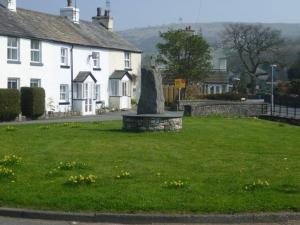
<point x="72" y="78"/>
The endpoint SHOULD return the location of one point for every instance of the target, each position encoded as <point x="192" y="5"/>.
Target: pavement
<point x="13" y="221"/>
<point x="104" y="117"/>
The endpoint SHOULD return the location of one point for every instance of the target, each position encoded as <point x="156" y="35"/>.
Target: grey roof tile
<point x="119" y="74"/>
<point x="83" y="75"/>
<point x="31" y="24"/>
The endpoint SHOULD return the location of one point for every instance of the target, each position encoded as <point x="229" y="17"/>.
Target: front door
<point x="88" y="105"/>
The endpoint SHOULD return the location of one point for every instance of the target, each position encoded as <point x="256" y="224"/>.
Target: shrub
<point x="225" y="96"/>
<point x="32" y="102"/>
<point x="9" y="104"/>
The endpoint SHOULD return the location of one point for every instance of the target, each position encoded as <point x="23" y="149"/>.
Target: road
<point x="12" y="221"/>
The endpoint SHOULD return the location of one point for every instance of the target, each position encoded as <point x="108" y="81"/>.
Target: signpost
<point x="179" y="84"/>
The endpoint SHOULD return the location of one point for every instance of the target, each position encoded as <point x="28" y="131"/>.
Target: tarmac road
<point x="13" y="221"/>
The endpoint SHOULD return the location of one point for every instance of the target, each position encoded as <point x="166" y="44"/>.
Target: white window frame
<point x="10" y="80"/>
<point x="37" y="81"/>
<point x="11" y="49"/>
<point x="64" y="92"/>
<point x="96" y="60"/>
<point x="127" y="60"/>
<point x="64" y="56"/>
<point x="36" y="50"/>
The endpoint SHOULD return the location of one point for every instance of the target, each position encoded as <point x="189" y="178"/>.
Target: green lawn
<point x="215" y="158"/>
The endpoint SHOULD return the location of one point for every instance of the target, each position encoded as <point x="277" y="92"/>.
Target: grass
<point x="202" y="169"/>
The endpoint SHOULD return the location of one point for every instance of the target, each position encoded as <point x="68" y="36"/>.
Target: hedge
<point x="9" y="104"/>
<point x="225" y="96"/>
<point x="32" y="102"/>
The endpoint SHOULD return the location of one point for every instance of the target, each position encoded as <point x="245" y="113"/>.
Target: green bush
<point x="9" y="104"/>
<point x="32" y="102"/>
<point x="225" y="96"/>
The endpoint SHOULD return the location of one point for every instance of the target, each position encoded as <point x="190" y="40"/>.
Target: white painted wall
<point x="117" y="62"/>
<point x="52" y="75"/>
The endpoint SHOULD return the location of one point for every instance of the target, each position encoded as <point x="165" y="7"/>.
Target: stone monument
<point x="151" y="114"/>
<point x="152" y="99"/>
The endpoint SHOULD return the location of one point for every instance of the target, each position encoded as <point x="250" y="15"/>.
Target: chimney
<point x="9" y="4"/>
<point x="70" y="12"/>
<point x="104" y="20"/>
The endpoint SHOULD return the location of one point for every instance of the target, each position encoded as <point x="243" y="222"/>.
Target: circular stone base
<point x="152" y="122"/>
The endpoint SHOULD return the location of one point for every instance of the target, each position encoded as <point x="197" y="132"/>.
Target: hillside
<point x="147" y="38"/>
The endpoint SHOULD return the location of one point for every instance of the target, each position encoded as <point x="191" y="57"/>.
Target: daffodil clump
<point x="10" y="128"/>
<point x="71" y="165"/>
<point x="6" y="172"/>
<point x="79" y="180"/>
<point x="256" y="185"/>
<point x="123" y="175"/>
<point x="44" y="127"/>
<point x="175" y="184"/>
<point x="67" y="166"/>
<point x="11" y="159"/>
<point x="72" y="125"/>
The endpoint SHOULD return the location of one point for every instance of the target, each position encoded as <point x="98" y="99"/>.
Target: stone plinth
<point x="152" y="122"/>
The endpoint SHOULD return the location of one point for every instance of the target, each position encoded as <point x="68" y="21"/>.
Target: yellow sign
<point x="179" y="83"/>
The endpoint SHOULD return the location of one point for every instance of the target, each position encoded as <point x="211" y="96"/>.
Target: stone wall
<point x="151" y="123"/>
<point x="225" y="108"/>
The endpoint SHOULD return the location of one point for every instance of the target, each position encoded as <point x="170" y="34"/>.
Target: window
<point x="64" y="92"/>
<point x="35" y="83"/>
<point x="13" y="83"/>
<point x="114" y="88"/>
<point x="36" y="53"/>
<point x="96" y="60"/>
<point x="127" y="60"/>
<point x="224" y="88"/>
<point x="77" y="90"/>
<point x="13" y="49"/>
<point x="64" y="57"/>
<point x="97" y="92"/>
<point x="125" y="89"/>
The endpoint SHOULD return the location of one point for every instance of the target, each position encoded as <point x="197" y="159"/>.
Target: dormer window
<point x="13" y="50"/>
<point x="36" y="51"/>
<point x="127" y="60"/>
<point x="96" y="60"/>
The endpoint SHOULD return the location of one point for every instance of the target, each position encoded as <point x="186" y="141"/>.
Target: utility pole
<point x="272" y="88"/>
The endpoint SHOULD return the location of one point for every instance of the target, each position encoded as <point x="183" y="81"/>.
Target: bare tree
<point x="254" y="44"/>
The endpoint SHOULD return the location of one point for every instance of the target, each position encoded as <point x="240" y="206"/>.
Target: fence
<point x="284" y="106"/>
<point x="170" y="93"/>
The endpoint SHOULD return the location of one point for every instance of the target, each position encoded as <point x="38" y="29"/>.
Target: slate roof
<point x="217" y="78"/>
<point x="83" y="75"/>
<point x="119" y="74"/>
<point x="30" y="24"/>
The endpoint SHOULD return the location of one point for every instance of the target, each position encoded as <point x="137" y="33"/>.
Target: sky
<point x="143" y="13"/>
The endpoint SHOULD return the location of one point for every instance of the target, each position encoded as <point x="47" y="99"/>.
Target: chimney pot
<point x="99" y="11"/>
<point x="70" y="3"/>
<point x="107" y="12"/>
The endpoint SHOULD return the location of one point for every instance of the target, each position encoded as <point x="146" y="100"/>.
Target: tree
<point x="295" y="87"/>
<point x="254" y="44"/>
<point x="185" y="55"/>
<point x="294" y="71"/>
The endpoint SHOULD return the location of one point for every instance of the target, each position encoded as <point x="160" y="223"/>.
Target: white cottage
<point x="81" y="65"/>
